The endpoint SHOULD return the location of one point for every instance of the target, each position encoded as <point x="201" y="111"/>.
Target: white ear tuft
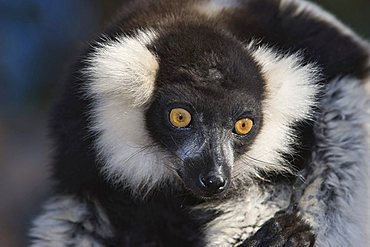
<point x="291" y="89"/>
<point x="124" y="67"/>
<point x="122" y="74"/>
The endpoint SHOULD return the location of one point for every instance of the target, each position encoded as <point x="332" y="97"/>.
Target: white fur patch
<point x="291" y="90"/>
<point x="122" y="73"/>
<point x="66" y="221"/>
<point x="128" y="151"/>
<point x="124" y="68"/>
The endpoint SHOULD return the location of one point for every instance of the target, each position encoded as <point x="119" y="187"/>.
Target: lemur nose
<point x="213" y="183"/>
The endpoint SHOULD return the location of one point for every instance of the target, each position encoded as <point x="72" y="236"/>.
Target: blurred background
<point x="39" y="39"/>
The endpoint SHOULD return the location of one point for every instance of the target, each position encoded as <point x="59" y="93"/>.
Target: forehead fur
<point x="202" y="57"/>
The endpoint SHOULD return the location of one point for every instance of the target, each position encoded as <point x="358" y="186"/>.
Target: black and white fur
<point x="299" y="179"/>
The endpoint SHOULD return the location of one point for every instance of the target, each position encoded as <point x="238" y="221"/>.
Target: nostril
<point x="213" y="183"/>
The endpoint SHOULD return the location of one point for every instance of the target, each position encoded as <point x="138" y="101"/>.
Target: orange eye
<point x="180" y="117"/>
<point x="243" y="126"/>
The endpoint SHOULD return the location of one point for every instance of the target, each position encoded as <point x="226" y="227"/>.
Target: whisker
<point x="257" y="167"/>
<point x="177" y="146"/>
<point x="141" y="149"/>
<point x="258" y="160"/>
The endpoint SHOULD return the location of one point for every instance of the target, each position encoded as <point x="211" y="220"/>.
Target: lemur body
<point x="128" y="174"/>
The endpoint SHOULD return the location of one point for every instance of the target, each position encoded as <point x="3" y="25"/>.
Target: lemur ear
<point x="291" y="89"/>
<point x="121" y="75"/>
<point x="291" y="85"/>
<point x="124" y="68"/>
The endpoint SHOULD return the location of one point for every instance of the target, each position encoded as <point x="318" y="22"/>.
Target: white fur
<point x="124" y="68"/>
<point x="366" y="83"/>
<point x="334" y="199"/>
<point x="122" y="73"/>
<point x="66" y="221"/>
<point x="291" y="89"/>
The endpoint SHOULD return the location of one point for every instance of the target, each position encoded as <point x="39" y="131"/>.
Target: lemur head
<point x="194" y="105"/>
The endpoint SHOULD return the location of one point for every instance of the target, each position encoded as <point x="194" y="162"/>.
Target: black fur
<point x="164" y="218"/>
<point x="337" y="53"/>
<point x="286" y="230"/>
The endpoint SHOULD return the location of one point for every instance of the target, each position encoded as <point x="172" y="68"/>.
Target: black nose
<point x="213" y="183"/>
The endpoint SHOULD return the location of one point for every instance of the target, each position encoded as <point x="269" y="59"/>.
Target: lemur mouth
<point x="207" y="196"/>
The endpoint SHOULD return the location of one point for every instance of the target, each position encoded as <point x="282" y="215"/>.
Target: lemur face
<point x="207" y="107"/>
<point x="203" y="136"/>
<point x="191" y="105"/>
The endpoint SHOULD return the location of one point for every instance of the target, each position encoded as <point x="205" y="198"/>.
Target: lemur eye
<point x="243" y="126"/>
<point x="180" y="117"/>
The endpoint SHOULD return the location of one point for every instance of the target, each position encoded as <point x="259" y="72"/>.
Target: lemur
<point x="209" y="123"/>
